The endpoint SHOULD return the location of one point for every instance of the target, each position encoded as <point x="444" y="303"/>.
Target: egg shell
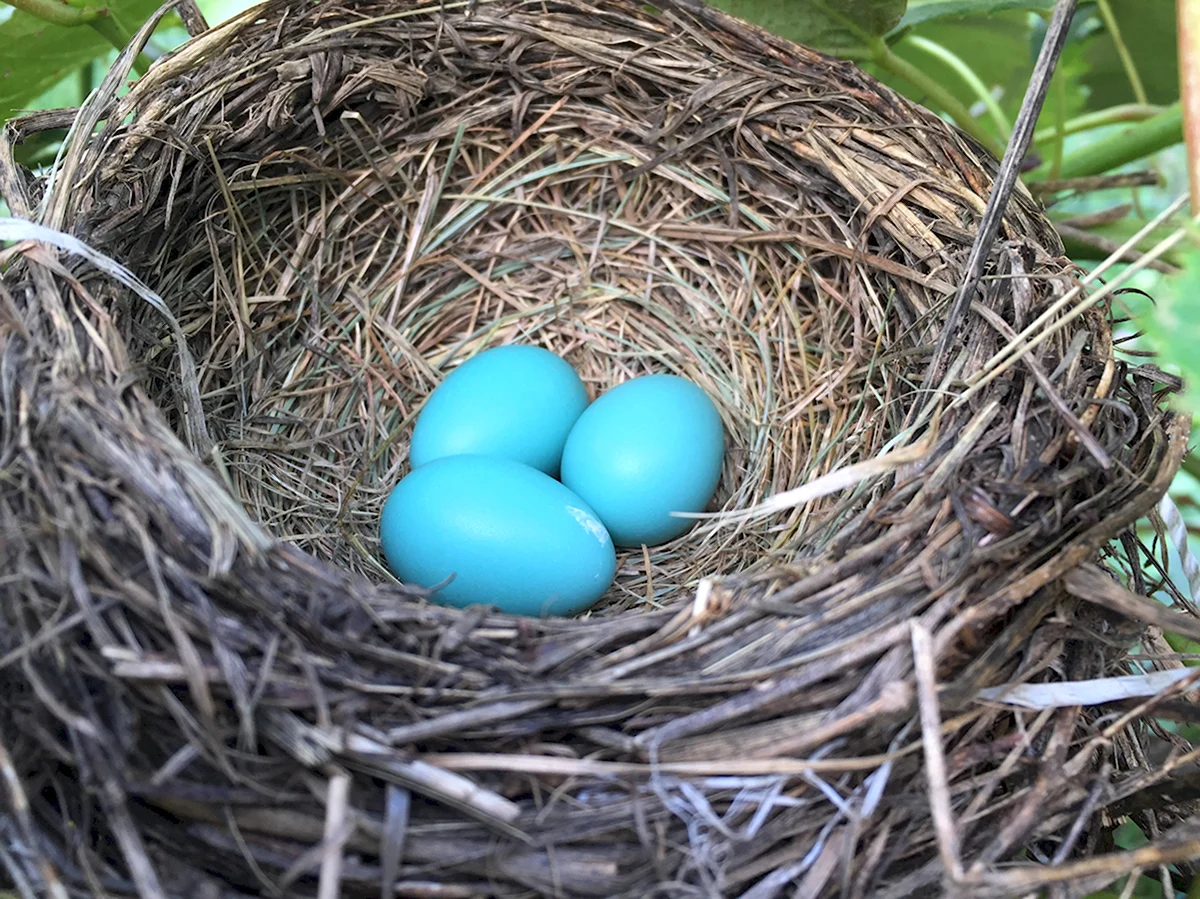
<point x="518" y="402"/>
<point x="648" y="447"/>
<point x="512" y="536"/>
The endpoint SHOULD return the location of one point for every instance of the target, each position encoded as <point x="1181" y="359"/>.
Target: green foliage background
<point x="1113" y="106"/>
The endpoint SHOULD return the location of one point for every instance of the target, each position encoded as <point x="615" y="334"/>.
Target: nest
<point x="215" y="687"/>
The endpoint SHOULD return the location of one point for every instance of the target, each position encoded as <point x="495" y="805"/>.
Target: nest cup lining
<point x="328" y="290"/>
<point x="341" y="200"/>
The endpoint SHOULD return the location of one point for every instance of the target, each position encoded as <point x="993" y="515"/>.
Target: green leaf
<point x="1149" y="32"/>
<point x="35" y="55"/>
<point x="829" y="25"/>
<point x="1173" y="328"/>
<point x="1184" y="646"/>
<point x="921" y="11"/>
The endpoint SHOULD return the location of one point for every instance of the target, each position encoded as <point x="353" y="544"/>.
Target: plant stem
<point x="1060" y="115"/>
<point x="1114" y="115"/>
<point x="882" y="56"/>
<point x="1131" y="72"/>
<point x="1127" y="145"/>
<point x="969" y="78"/>
<point x="1188" y="12"/>
<point x="55" y="12"/>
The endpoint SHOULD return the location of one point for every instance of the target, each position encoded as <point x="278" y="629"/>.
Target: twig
<point x="449" y="788"/>
<point x="935" y="758"/>
<point x="1109" y="247"/>
<point x="1085" y="813"/>
<point x="337" y="803"/>
<point x="1095" y="182"/>
<point x="1114" y="863"/>
<point x="1114" y="31"/>
<point x="568" y="767"/>
<point x="1091" y="585"/>
<point x="1086" y="438"/>
<point x="1041" y="329"/>
<point x="395" y="829"/>
<point x="1095" y="219"/>
<point x="19" y="812"/>
<point x="1002" y="188"/>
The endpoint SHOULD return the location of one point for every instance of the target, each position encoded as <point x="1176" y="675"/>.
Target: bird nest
<point x="216" y="688"/>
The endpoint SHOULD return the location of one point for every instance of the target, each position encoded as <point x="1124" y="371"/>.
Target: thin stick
<point x="1002" y="188"/>
<point x="935" y="759"/>
<point x="1109" y="247"/>
<point x="19" y="810"/>
<point x="568" y="767"/>
<point x="1066" y="299"/>
<point x="1091" y="584"/>
<point x="1016" y="350"/>
<point x="337" y="803"/>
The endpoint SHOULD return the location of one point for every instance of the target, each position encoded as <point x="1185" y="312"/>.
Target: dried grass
<point x="214" y="681"/>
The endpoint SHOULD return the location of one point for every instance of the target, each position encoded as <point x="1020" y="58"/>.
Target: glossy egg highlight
<point x="512" y="536"/>
<point x="648" y="447"/>
<point x="518" y="402"/>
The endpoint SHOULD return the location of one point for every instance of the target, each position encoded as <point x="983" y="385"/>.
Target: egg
<point x="517" y="402"/>
<point x="511" y="535"/>
<point x="648" y="447"/>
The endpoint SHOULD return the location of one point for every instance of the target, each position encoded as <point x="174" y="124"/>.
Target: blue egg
<point x="512" y="536"/>
<point x="649" y="447"/>
<point x="518" y="402"/>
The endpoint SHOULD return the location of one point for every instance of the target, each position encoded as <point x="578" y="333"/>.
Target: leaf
<point x="921" y="11"/>
<point x="828" y="25"/>
<point x="35" y="55"/>
<point x="1173" y="327"/>
<point x="1149" y="32"/>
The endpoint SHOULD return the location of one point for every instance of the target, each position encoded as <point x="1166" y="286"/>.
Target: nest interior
<point x="212" y="679"/>
<point x="371" y="220"/>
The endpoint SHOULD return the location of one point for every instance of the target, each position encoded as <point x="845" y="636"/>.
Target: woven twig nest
<point x="212" y="681"/>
